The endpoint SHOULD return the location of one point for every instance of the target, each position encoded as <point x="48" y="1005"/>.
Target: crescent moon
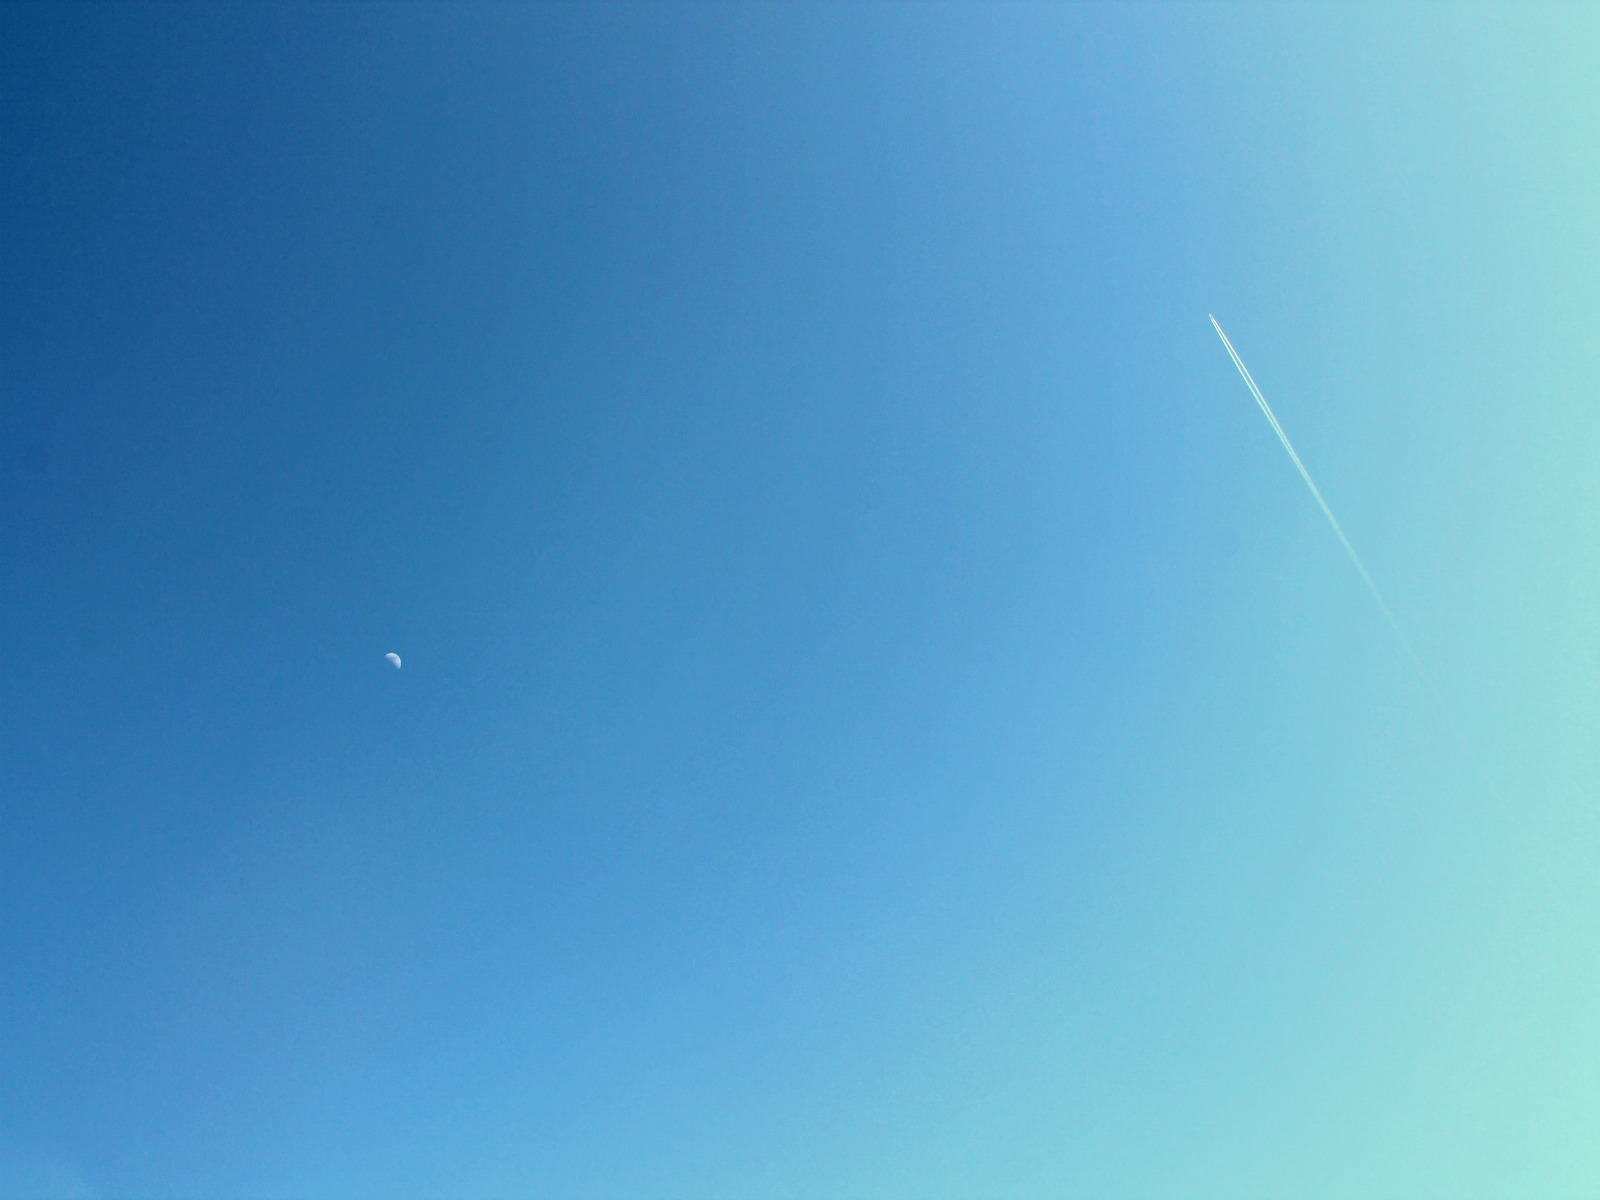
<point x="394" y="658"/>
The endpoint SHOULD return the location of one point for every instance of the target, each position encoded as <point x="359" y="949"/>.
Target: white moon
<point x="395" y="659"/>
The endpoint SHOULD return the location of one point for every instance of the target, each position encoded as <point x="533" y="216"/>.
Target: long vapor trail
<point x="1355" y="558"/>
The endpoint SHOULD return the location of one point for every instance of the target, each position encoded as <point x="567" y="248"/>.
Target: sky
<point x="881" y="714"/>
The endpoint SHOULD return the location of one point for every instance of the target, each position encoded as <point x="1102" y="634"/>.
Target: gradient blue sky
<point x="881" y="716"/>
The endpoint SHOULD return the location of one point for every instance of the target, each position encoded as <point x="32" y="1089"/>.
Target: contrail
<point x="1283" y="437"/>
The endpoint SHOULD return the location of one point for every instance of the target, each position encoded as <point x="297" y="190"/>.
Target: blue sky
<point x="881" y="715"/>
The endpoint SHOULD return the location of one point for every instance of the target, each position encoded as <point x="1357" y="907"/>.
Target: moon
<point x="394" y="658"/>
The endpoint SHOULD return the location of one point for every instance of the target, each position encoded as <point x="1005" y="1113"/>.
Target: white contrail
<point x="1283" y="437"/>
